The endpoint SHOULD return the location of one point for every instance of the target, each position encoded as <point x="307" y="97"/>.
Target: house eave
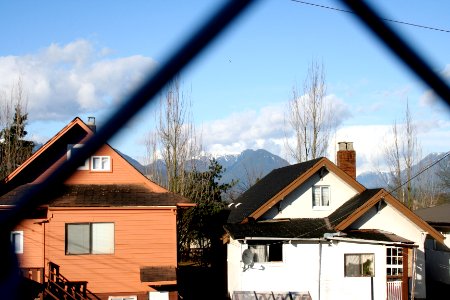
<point x="322" y="163"/>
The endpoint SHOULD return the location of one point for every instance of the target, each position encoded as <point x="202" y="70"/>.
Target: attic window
<point x="321" y="196"/>
<point x="100" y="163"/>
<point x="72" y="148"/>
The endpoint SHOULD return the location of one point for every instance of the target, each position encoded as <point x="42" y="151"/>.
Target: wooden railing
<point x="394" y="290"/>
<point x="59" y="287"/>
<point x="36" y="275"/>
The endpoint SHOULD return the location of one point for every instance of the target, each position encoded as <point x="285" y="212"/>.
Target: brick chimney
<point x="346" y="158"/>
<point x="91" y="124"/>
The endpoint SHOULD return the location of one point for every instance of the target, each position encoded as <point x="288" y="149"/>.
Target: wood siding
<point x="143" y="237"/>
<point x="121" y="173"/>
<point x="33" y="240"/>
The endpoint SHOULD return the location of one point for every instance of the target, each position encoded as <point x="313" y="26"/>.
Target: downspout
<point x="320" y="267"/>
<point x="413" y="275"/>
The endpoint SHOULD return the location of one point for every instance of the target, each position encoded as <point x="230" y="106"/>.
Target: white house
<point x="312" y="229"/>
<point x="438" y="255"/>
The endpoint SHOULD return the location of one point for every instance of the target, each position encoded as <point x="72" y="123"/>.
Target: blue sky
<point x="79" y="58"/>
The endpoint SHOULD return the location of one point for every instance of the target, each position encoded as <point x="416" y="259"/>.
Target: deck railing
<point x="60" y="287"/>
<point x="394" y="290"/>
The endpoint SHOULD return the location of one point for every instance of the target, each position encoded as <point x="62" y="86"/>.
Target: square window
<point x="100" y="163"/>
<point x="394" y="261"/>
<point x="321" y="196"/>
<point x="71" y="150"/>
<point x="90" y="238"/>
<point x="267" y="252"/>
<point x="359" y="265"/>
<point x="17" y="241"/>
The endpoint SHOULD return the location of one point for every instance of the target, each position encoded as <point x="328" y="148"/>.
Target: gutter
<point x="362" y="241"/>
<point x="281" y="239"/>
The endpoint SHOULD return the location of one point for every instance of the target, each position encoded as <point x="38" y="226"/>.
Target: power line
<point x="419" y="173"/>
<point x="384" y="19"/>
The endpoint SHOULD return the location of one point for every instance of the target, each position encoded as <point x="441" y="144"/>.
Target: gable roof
<point x="357" y="206"/>
<point x="101" y="195"/>
<point x="280" y="182"/>
<point x="348" y="208"/>
<point x="73" y="133"/>
<point x="276" y="185"/>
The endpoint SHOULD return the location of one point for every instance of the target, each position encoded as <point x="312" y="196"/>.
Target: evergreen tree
<point x="201" y="226"/>
<point x="14" y="149"/>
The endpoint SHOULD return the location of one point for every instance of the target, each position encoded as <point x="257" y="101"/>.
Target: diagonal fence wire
<point x="399" y="47"/>
<point x="32" y="198"/>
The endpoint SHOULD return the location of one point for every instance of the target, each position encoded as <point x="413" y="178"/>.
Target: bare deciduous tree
<point x="310" y="117"/>
<point x="401" y="156"/>
<point x="174" y="141"/>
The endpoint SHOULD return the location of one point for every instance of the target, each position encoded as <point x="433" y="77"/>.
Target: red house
<point x="107" y="233"/>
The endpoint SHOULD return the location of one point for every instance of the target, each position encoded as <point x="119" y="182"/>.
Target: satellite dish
<point x="247" y="257"/>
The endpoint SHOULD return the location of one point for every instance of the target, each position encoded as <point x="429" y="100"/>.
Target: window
<point x="359" y="265"/>
<point x="321" y="196"/>
<point x="72" y="148"/>
<point x="267" y="253"/>
<point x="394" y="261"/>
<point x="101" y="163"/>
<point x="17" y="241"/>
<point x="90" y="238"/>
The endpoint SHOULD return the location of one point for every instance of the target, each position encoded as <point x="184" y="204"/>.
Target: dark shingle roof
<point x="438" y="214"/>
<point x="351" y="205"/>
<point x="266" y="188"/>
<point x="107" y="195"/>
<point x="280" y="228"/>
<point x="376" y="235"/>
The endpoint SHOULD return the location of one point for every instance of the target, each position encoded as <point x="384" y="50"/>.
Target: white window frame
<point x="19" y="234"/>
<point x="122" y="297"/>
<point x="394" y="261"/>
<point x="321" y="205"/>
<point x="103" y="168"/>
<point x="360" y="259"/>
<point x="98" y="241"/>
<point x="261" y="252"/>
<point x="69" y="153"/>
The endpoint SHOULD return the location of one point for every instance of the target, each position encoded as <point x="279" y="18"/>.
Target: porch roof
<point x="377" y="235"/>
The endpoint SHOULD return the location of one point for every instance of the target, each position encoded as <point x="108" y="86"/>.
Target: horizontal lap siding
<point x="142" y="238"/>
<point x="33" y="251"/>
<point x="121" y="173"/>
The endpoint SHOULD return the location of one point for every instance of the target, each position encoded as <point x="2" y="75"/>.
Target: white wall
<point x="299" y="271"/>
<point x="391" y="220"/>
<point x="298" y="204"/>
<point x="334" y="285"/>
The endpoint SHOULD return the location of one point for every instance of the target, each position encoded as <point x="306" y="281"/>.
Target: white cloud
<point x="253" y="129"/>
<point x="63" y="81"/>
